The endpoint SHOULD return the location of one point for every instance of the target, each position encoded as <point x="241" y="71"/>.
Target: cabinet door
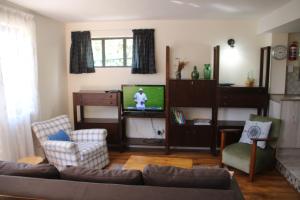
<point x="192" y="93"/>
<point x="193" y="136"/>
<point x="243" y="97"/>
<point x="205" y="93"/>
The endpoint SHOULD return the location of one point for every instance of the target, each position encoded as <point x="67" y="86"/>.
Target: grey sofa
<point x="44" y="181"/>
<point x="40" y="188"/>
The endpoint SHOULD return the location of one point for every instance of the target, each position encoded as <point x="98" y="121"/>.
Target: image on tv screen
<point x="143" y="98"/>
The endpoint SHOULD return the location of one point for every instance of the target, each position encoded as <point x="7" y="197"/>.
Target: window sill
<point x="97" y="67"/>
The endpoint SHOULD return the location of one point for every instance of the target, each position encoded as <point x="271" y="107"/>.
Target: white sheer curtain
<point x="18" y="83"/>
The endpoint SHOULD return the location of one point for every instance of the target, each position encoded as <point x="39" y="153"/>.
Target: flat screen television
<point x="144" y="98"/>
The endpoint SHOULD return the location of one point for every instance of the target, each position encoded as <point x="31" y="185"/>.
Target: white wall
<point x="191" y="40"/>
<point x="284" y="15"/>
<point x="278" y="67"/>
<point x="52" y="76"/>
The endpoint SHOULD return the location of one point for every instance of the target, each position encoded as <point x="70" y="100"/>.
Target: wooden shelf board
<point x="190" y="123"/>
<point x="173" y="79"/>
<point x="100" y="120"/>
<point x="230" y="123"/>
<point x="145" y="114"/>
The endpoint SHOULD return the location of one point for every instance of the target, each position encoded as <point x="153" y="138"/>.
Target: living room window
<point x="112" y="52"/>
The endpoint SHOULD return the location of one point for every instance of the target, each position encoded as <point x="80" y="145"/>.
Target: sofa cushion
<point x="22" y="169"/>
<point x="129" y="177"/>
<point x="167" y="176"/>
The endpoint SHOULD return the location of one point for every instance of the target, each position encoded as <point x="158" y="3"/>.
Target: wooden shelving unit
<point x="114" y="126"/>
<point x="190" y="94"/>
<point x="209" y="94"/>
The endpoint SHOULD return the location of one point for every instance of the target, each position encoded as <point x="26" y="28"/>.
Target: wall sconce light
<point x="231" y="42"/>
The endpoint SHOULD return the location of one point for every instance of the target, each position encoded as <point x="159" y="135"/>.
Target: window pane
<point x="129" y="43"/>
<point x="97" y="52"/>
<point x="114" y="52"/>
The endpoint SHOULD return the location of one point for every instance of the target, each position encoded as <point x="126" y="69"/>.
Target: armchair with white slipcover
<point x="86" y="148"/>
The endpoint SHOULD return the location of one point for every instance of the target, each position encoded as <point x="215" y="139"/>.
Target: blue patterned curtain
<point x="81" y="53"/>
<point x="143" y="59"/>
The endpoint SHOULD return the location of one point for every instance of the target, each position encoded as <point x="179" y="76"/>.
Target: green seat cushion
<point x="238" y="156"/>
<point x="275" y="127"/>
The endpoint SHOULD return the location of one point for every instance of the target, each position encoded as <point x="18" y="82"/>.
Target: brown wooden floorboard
<point x="268" y="185"/>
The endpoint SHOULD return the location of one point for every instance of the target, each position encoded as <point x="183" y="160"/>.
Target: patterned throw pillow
<point x="255" y="129"/>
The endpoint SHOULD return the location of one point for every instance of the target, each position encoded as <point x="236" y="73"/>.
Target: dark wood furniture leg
<point x="81" y="113"/>
<point x="167" y="106"/>
<point x="223" y="141"/>
<point x="253" y="155"/>
<point x="75" y="112"/>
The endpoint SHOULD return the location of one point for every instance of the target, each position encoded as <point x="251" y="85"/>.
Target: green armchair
<point x="248" y="157"/>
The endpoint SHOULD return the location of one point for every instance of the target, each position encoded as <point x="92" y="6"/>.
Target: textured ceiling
<point x="92" y="10"/>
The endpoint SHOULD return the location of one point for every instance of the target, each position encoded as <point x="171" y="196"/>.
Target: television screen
<point x="143" y="97"/>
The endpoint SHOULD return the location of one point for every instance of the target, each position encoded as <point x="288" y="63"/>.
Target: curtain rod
<point x="111" y="30"/>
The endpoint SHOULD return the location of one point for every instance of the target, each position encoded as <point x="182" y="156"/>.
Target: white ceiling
<point x="92" y="10"/>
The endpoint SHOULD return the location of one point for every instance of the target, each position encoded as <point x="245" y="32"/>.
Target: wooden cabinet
<point x="190" y="135"/>
<point x="192" y="93"/>
<point x="208" y="94"/>
<point x="114" y="126"/>
<point x="195" y="94"/>
<point x="242" y="97"/>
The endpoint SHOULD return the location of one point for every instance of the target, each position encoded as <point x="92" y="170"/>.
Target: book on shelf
<point x="201" y="122"/>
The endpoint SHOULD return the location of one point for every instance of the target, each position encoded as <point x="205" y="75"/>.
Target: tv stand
<point x="143" y="114"/>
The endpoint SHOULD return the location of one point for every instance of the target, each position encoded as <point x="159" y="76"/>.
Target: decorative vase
<point x="207" y="71"/>
<point x="178" y="75"/>
<point x="250" y="81"/>
<point x="195" y="73"/>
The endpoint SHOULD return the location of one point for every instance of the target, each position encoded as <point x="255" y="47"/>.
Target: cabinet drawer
<point x="99" y="99"/>
<point x="191" y="136"/>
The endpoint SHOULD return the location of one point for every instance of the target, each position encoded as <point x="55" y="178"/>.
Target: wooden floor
<point x="269" y="185"/>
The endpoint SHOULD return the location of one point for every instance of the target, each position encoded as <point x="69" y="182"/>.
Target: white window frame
<point x="103" y="39"/>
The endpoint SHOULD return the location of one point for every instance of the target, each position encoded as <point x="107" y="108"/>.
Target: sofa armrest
<point x="89" y="135"/>
<point x="60" y="146"/>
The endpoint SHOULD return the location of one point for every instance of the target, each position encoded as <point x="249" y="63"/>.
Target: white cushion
<point x="255" y="129"/>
